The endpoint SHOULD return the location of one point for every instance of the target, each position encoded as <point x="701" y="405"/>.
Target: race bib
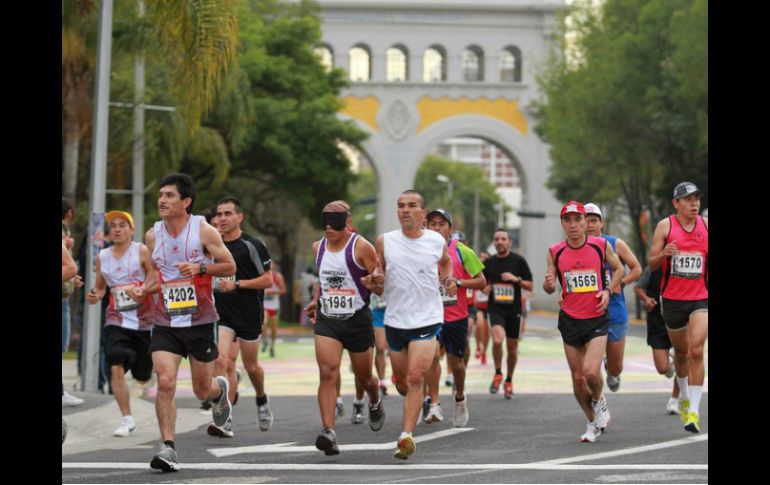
<point x="581" y="281"/>
<point x="503" y="293"/>
<point x="481" y="297"/>
<point x="179" y="297"/>
<point x="122" y="298"/>
<point x="338" y="303"/>
<point x="687" y="265"/>
<point x="216" y="280"/>
<point x="445" y="298"/>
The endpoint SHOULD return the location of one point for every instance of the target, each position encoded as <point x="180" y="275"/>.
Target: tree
<point x="195" y="40"/>
<point x="625" y="107"/>
<point x="277" y="114"/>
<point x="467" y="179"/>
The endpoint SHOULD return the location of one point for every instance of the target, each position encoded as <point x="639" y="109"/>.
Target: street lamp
<point x="446" y="180"/>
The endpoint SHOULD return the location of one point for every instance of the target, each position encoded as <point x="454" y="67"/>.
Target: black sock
<point x="499" y="371"/>
<point x="459" y="400"/>
<point x="507" y="379"/>
<point x="262" y="400"/>
<point x="169" y="443"/>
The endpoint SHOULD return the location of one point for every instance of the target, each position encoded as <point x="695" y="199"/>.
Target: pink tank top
<point x="581" y="273"/>
<point x="685" y="274"/>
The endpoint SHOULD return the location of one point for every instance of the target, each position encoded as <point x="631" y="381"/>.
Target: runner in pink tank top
<point x="578" y="264"/>
<point x="680" y="246"/>
<point x="183" y="247"/>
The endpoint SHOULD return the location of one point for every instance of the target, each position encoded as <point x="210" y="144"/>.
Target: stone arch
<point x="490" y="129"/>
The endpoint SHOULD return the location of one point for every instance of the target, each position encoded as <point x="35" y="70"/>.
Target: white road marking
<point x="628" y="451"/>
<point x="289" y="448"/>
<point x="363" y="467"/>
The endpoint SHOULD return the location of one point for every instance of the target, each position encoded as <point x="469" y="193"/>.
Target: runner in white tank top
<point x="410" y="258"/>
<point x="340" y="311"/>
<point x="124" y="267"/>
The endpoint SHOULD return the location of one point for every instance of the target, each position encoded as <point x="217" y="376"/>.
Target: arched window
<point x="360" y="66"/>
<point x="434" y="65"/>
<point x="472" y="63"/>
<point x="326" y="55"/>
<point x="510" y="64"/>
<point x="397" y="69"/>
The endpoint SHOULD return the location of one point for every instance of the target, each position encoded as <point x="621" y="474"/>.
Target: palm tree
<point x="195" y="38"/>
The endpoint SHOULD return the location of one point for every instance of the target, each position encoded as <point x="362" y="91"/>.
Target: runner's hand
<point x="137" y="293"/>
<point x="650" y="303"/>
<point x="670" y="249"/>
<point x="604" y="300"/>
<point x="188" y="270"/>
<point x="310" y="310"/>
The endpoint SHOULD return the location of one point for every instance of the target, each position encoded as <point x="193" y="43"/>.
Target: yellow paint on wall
<point x="363" y="109"/>
<point x="433" y="110"/>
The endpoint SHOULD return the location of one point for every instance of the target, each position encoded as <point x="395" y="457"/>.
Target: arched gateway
<point x="438" y="69"/>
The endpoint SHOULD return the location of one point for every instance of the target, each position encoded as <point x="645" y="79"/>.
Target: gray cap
<point x="443" y="213"/>
<point x="684" y="189"/>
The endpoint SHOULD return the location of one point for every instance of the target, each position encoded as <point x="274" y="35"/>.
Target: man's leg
<point x="498" y="336"/>
<point x="681" y="343"/>
<point x="420" y="355"/>
<point x="575" y="357"/>
<point x="120" y="389"/>
<point x="615" y="352"/>
<point x="166" y="367"/>
<point x="592" y="359"/>
<point x="224" y="343"/>
<point x="697" y="332"/>
<point x="457" y="367"/>
<point x="273" y="331"/>
<point x="250" y="359"/>
<point x="362" y="369"/>
<point x="513" y="357"/>
<point x="232" y="366"/>
<point x="328" y="353"/>
<point x="433" y="377"/>
<point x="399" y="364"/>
<point x="382" y="346"/>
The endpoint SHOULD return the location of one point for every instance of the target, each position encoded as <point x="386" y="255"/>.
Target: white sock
<point x="695" y="394"/>
<point x="383" y="383"/>
<point x="405" y="433"/>
<point x="339" y="400"/>
<point x="684" y="391"/>
<point x="359" y="402"/>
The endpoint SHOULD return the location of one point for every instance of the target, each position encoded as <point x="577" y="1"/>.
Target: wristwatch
<point x="237" y="284"/>
<point x="202" y="271"/>
<point x="458" y="282"/>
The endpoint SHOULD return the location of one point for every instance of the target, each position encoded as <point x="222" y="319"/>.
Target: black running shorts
<point x="199" y="341"/>
<point x="356" y="333"/>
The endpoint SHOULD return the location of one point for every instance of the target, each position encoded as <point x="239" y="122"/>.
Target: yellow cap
<point x="124" y="215"/>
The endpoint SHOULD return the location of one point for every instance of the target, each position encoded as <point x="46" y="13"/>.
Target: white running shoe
<point x="434" y="414"/>
<point x="602" y="416"/>
<point x="672" y="406"/>
<point x="460" y="417"/>
<point x="68" y="400"/>
<point x="592" y="432"/>
<point x="127" y="425"/>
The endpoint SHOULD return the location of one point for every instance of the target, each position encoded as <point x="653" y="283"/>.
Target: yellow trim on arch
<point x="363" y="109"/>
<point x="433" y="110"/>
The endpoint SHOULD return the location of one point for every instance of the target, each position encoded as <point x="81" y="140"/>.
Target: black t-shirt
<point x="494" y="267"/>
<point x="251" y="260"/>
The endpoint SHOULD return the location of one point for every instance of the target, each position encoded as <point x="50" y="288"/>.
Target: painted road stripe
<point x="338" y="467"/>
<point x="288" y="448"/>
<point x="629" y="451"/>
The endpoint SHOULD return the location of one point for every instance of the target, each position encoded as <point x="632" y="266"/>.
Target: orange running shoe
<point x="496" y="383"/>
<point x="508" y="390"/>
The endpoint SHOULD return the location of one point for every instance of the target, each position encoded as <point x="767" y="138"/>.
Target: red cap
<point x="572" y="207"/>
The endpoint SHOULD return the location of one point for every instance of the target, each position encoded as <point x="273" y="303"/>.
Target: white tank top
<point x="340" y="297"/>
<point x="272" y="301"/>
<point x="186" y="247"/>
<point x="411" y="279"/>
<point x="119" y="272"/>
